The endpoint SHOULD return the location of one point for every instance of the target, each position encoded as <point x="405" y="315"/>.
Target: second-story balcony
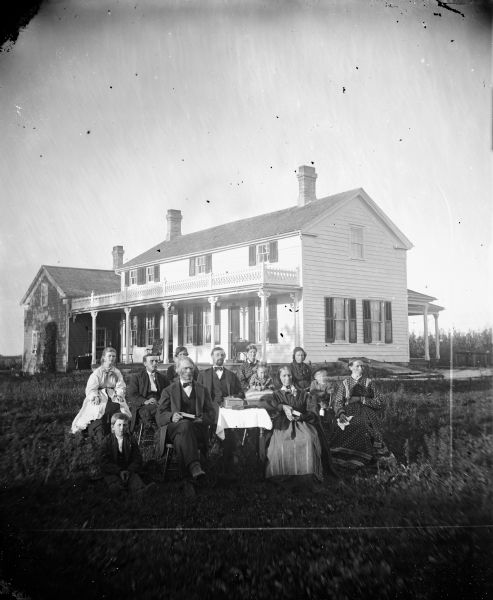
<point x="200" y="285"/>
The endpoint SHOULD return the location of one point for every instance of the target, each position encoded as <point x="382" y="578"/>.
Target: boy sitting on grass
<point x="121" y="459"/>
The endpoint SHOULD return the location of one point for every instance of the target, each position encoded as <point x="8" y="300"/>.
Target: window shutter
<point x="251" y="321"/>
<point x="198" y="324"/>
<point x="366" y="322"/>
<point x="141" y="275"/>
<point x="208" y="263"/>
<point x="180" y="326"/>
<point x="156" y="273"/>
<point x="353" y="335"/>
<point x="273" y="257"/>
<point x="252" y="255"/>
<point x="191" y="267"/>
<point x="272" y="316"/>
<point x="127" y="278"/>
<point x="329" y="320"/>
<point x="388" y="322"/>
<point x="141" y="330"/>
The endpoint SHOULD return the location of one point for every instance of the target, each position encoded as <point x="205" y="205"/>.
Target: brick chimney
<point x="117" y="257"/>
<point x="306" y="178"/>
<point x="173" y="224"/>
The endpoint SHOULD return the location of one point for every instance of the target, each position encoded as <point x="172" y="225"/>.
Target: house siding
<point x="329" y="271"/>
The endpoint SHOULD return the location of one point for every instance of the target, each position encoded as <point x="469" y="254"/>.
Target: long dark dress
<point x="301" y="375"/>
<point x="247" y="370"/>
<point x="361" y="441"/>
<point x="294" y="447"/>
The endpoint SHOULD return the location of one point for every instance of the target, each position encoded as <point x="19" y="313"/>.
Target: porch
<point x="421" y="304"/>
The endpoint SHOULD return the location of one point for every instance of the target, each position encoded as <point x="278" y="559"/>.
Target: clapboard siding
<point x="329" y="271"/>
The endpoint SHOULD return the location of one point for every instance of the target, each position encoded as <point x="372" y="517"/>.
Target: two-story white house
<point x="328" y="274"/>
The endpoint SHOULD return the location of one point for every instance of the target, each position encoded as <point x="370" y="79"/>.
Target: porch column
<point x="437" y="337"/>
<point x="263" y="295"/>
<point x="425" y="332"/>
<point x="294" y="298"/>
<point x="212" y="301"/>
<point x="94" y="314"/>
<point x="165" y="336"/>
<point x="128" y="335"/>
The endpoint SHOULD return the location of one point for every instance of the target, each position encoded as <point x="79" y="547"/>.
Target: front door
<point x="234" y="329"/>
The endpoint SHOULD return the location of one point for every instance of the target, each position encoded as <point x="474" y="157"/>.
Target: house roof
<point x="287" y="220"/>
<point x="419" y="297"/>
<point x="72" y="282"/>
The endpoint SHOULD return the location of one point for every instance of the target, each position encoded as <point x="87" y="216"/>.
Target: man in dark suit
<point x="185" y="408"/>
<point x="144" y="389"/>
<point x="222" y="382"/>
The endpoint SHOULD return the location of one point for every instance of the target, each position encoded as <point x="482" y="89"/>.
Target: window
<point x="357" y="247"/>
<point x="35" y="342"/>
<point x="340" y="320"/>
<point x="133" y="277"/>
<point x="271" y="328"/>
<point x="199" y="265"/>
<point x="152" y="273"/>
<point x="101" y="340"/>
<point x="260" y="253"/>
<point x="152" y="331"/>
<point x="217" y="325"/>
<point x="377" y="321"/>
<point x="44" y="294"/>
<point x="134" y="325"/>
<point x="191" y="325"/>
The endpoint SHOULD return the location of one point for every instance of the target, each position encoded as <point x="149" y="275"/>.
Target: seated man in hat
<point x="144" y="390"/>
<point x="186" y="410"/>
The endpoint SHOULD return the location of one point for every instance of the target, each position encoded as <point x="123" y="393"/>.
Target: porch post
<point x="94" y="314"/>
<point x="425" y="332"/>
<point x="128" y="335"/>
<point x="263" y="295"/>
<point x="437" y="337"/>
<point x="165" y="336"/>
<point x="294" y="298"/>
<point x="212" y="300"/>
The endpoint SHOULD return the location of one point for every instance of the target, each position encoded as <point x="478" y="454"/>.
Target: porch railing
<point x="210" y="282"/>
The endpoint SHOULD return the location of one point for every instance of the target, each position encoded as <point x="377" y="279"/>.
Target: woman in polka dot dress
<point x="356" y="406"/>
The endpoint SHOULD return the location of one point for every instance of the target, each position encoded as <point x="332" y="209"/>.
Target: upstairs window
<point x="340" y="320"/>
<point x="266" y="252"/>
<point x="357" y="243"/>
<point x="152" y="273"/>
<point x="377" y="321"/>
<point x="132" y="277"/>
<point x="44" y="294"/>
<point x="200" y="265"/>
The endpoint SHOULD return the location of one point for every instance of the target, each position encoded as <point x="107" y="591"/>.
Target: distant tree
<point x="49" y="352"/>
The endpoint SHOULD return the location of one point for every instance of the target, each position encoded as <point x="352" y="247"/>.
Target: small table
<point x="244" y="419"/>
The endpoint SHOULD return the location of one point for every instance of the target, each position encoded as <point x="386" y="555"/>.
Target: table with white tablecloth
<point x="244" y="419"/>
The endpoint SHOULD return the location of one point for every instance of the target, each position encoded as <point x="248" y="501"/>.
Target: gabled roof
<point x="72" y="283"/>
<point x="253" y="229"/>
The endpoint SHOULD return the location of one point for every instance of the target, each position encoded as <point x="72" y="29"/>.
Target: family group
<point x="314" y="425"/>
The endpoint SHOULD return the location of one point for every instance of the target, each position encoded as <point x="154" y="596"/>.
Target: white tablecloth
<point x="240" y="419"/>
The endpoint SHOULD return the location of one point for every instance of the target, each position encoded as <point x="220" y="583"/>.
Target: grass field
<point x="420" y="530"/>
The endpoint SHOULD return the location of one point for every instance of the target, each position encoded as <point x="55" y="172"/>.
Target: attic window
<point x="357" y="243"/>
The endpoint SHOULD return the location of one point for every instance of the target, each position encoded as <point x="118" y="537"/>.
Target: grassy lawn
<point x="415" y="531"/>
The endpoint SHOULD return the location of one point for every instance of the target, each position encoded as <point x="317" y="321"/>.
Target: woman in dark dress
<point x="300" y="371"/>
<point x="357" y="439"/>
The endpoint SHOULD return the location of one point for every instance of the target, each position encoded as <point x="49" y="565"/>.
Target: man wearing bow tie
<point x="144" y="390"/>
<point x="222" y="382"/>
<point x="186" y="410"/>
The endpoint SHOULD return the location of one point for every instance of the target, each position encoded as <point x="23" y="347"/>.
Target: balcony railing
<point x="211" y="282"/>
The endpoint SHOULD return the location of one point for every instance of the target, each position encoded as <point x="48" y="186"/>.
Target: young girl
<point x="260" y="381"/>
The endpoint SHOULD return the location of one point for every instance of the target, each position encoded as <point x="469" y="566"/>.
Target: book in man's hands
<point x="187" y="415"/>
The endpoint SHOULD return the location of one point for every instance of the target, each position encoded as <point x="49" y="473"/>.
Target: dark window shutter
<point x="156" y="272"/>
<point x="388" y="322"/>
<point x="141" y="332"/>
<point x="198" y="325"/>
<point x="273" y="256"/>
<point x="180" y="326"/>
<point x="252" y="255"/>
<point x="329" y="321"/>
<point x="191" y="267"/>
<point x="366" y="322"/>
<point x="127" y="278"/>
<point x="272" y="316"/>
<point x="208" y="263"/>
<point x="353" y="332"/>
<point x="251" y="321"/>
<point x="141" y="275"/>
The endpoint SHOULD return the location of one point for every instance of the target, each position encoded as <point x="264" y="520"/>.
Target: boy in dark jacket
<point x="120" y="458"/>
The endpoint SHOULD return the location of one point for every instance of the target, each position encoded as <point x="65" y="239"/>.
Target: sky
<point x="114" y="111"/>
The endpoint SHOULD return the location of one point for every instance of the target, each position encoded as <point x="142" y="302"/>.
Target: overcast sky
<point x="114" y="111"/>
